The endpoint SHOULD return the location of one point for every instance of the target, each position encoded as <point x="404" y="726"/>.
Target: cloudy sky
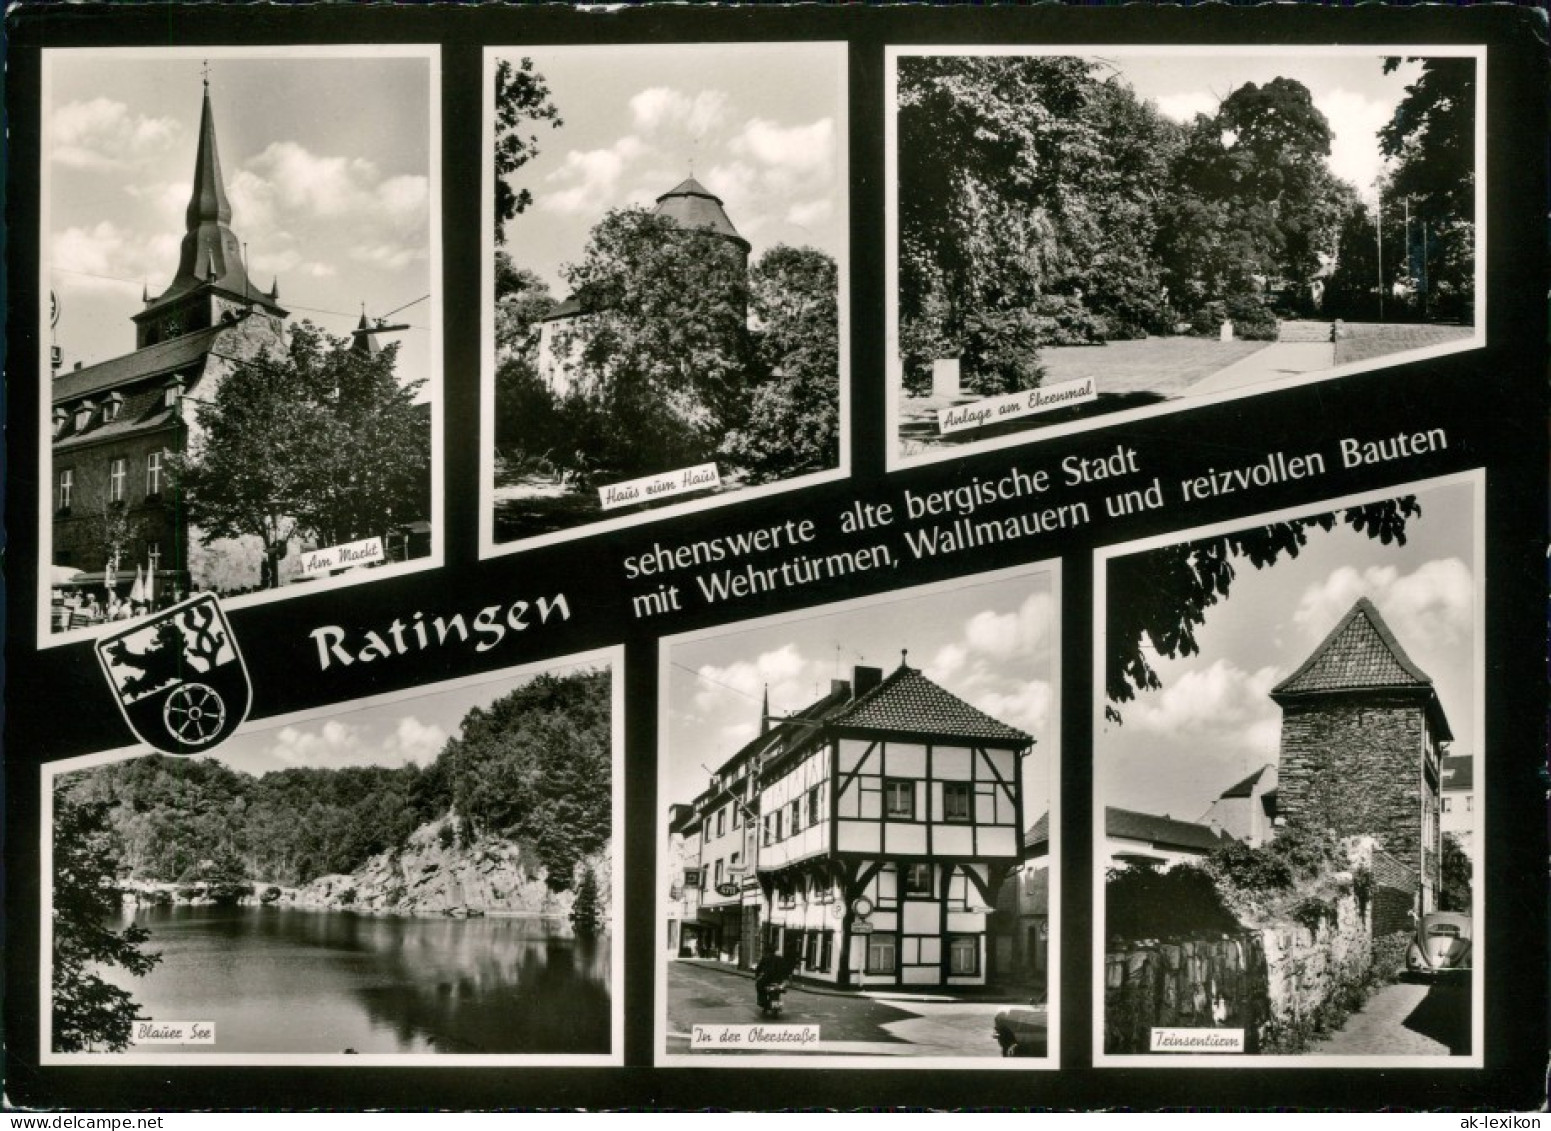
<point x="409" y="729"/>
<point x="988" y="642"/>
<point x="761" y="125"/>
<point x="326" y="161"/>
<point x="1352" y="91"/>
<point x="1213" y="722"/>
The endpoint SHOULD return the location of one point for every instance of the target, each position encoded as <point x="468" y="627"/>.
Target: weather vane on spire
<point x="204" y="71"/>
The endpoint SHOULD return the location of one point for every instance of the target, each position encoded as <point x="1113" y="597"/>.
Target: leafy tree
<point x="1257" y="207"/>
<point x="1431" y="141"/>
<point x="586" y="910"/>
<point x="322" y="441"/>
<point x="793" y="423"/>
<point x="1157" y="599"/>
<point x="1458" y="875"/>
<point x="521" y="105"/>
<point x="522" y="300"/>
<point x="90" y="1013"/>
<point x="661" y="356"/>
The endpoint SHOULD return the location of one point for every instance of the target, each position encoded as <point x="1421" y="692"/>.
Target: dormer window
<point x="61" y="418"/>
<point x="83" y="415"/>
<point x="171" y="393"/>
<point x="112" y="406"/>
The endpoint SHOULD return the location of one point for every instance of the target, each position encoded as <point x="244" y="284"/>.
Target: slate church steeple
<point x="211" y="284"/>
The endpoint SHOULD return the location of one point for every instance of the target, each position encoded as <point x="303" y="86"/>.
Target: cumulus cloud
<point x="332" y="742"/>
<point x="1023" y="704"/>
<point x="1220" y="700"/>
<point x="588" y="181"/>
<point x="338" y="743"/>
<point x="662" y="108"/>
<point x="107" y="257"/>
<point x="1431" y="607"/>
<point x="801" y="150"/>
<point x="810" y="212"/>
<point x="101" y="134"/>
<point x="783" y="670"/>
<point x="415" y="741"/>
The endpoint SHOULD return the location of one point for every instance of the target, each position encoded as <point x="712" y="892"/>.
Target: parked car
<point x="1441" y="945"/>
<point x="1023" y="1030"/>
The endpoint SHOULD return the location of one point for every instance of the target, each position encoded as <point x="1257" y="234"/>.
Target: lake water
<point x="282" y="980"/>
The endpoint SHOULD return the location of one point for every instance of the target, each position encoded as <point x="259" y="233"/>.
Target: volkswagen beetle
<point x="1441" y="945"/>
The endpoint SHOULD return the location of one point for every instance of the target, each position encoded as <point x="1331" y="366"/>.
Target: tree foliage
<point x="1456" y="890"/>
<point x="534" y="766"/>
<point x="793" y="422"/>
<point x="1157" y="599"/>
<point x="90" y="1013"/>
<point x="1432" y="142"/>
<point x="522" y="104"/>
<point x="322" y="442"/>
<point x="661" y="357"/>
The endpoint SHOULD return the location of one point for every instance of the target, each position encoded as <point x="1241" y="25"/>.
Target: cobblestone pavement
<point x="883" y="1024"/>
<point x="1406" y="1019"/>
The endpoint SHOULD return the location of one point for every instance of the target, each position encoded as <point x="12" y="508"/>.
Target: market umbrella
<point x="137" y="590"/>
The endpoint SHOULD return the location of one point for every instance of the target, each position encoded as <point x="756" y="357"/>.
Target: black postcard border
<point x="1493" y="401"/>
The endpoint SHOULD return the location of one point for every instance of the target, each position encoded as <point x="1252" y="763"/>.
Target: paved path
<point x="850" y="1024"/>
<point x="1276" y="362"/>
<point x="1406" y="1019"/>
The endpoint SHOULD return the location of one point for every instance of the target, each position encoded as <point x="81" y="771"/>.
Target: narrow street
<point x="1406" y="1019"/>
<point x="851" y="1024"/>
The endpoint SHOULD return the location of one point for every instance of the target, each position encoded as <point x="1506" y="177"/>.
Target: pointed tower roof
<point x="1362" y="654"/>
<point x="211" y="254"/>
<point x="691" y="205"/>
<point x="907" y="701"/>
<point x="364" y="340"/>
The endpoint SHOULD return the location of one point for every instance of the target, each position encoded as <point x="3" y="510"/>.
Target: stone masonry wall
<point x="1204" y="984"/>
<point x="1355" y="765"/>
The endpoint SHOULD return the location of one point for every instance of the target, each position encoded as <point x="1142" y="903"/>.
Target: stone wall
<point x="1394" y="894"/>
<point x="1203" y="984"/>
<point x="1308" y="967"/>
<point x="1354" y="764"/>
<point x="1270" y="982"/>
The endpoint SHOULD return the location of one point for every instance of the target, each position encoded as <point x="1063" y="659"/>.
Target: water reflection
<point x="286" y="980"/>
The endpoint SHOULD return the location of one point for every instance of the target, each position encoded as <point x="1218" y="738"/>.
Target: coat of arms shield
<point x="179" y="677"/>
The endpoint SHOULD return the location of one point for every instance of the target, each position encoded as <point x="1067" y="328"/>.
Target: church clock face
<point x="171" y="328"/>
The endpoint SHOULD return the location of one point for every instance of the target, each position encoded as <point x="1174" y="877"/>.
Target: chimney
<point x="839" y="687"/>
<point x="867" y="679"/>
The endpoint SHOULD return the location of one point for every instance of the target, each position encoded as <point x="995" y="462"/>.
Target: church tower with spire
<point x="211" y="284"/>
<point x="118" y="423"/>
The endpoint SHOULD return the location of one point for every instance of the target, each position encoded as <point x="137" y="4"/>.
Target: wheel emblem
<point x="194" y="714"/>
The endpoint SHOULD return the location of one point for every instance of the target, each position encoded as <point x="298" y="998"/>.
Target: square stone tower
<point x="1362" y="744"/>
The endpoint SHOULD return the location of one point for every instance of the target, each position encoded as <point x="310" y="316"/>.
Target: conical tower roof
<point x="1361" y="654"/>
<point x="691" y="205"/>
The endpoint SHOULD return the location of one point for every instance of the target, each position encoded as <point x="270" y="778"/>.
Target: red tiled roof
<point x="908" y="701"/>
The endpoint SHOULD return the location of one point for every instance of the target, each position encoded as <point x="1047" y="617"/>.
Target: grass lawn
<point x="1126" y="375"/>
<point x="1362" y="341"/>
